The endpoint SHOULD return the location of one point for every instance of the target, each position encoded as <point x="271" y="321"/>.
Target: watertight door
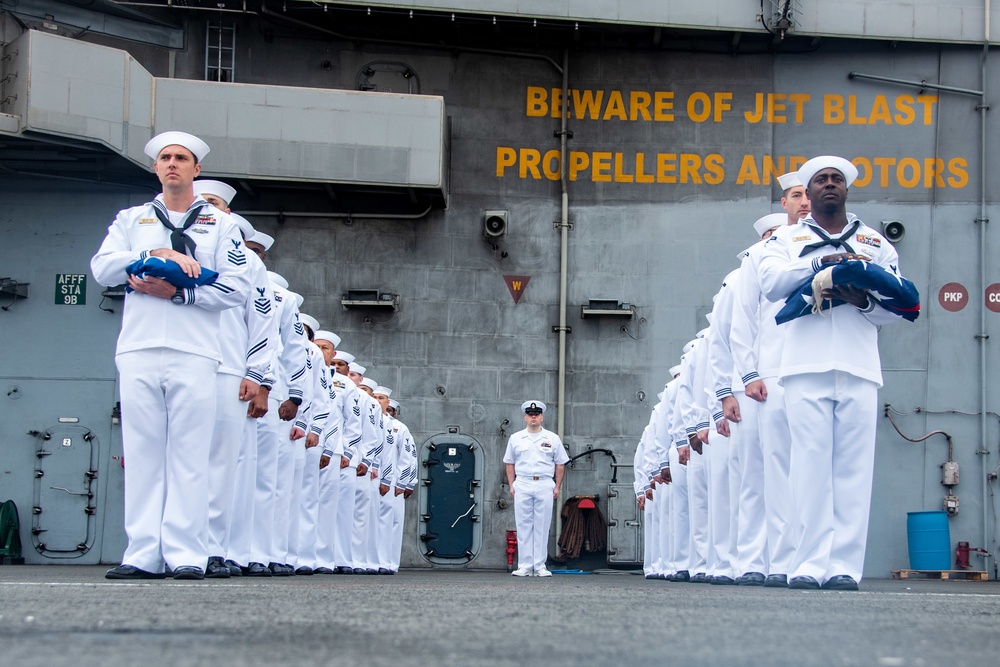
<point x="450" y="499"/>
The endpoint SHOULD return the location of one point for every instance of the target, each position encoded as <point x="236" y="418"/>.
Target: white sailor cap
<point x="809" y="169"/>
<point x="675" y="371"/>
<point x="156" y="145"/>
<point x="702" y="333"/>
<point x="370" y="383"/>
<point x="328" y="336"/>
<point x="311" y="322"/>
<point x="789" y="180"/>
<point x="277" y="279"/>
<point x="263" y="239"/>
<point x="533" y="407"/>
<point x="688" y="346"/>
<point x="245" y="227"/>
<point x="299" y="299"/>
<point x="769" y="221"/>
<point x="346" y="357"/>
<point x="394" y="404"/>
<point x="221" y="190"/>
<point x="385" y="391"/>
<point x="355" y="367"/>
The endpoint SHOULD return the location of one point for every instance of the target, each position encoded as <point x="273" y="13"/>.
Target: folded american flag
<point x="892" y="292"/>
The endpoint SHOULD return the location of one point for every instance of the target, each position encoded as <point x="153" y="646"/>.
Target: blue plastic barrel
<point x="928" y="538"/>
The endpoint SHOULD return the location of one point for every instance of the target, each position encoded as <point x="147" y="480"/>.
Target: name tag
<point x="807" y="237"/>
<point x="147" y="221"/>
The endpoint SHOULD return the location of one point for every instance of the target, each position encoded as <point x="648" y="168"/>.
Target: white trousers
<point x="751" y="533"/>
<point x="241" y="516"/>
<point x="307" y="541"/>
<point x="680" y="525"/>
<point x="230" y="415"/>
<point x="719" y="511"/>
<point x="776" y="445"/>
<point x="662" y="494"/>
<point x="345" y="516"/>
<point x="650" y="537"/>
<point x="168" y="408"/>
<point x="832" y="418"/>
<point x="386" y="525"/>
<point x="285" y="492"/>
<point x="398" y="523"/>
<point x="326" y="515"/>
<point x="533" y="502"/>
<point x="362" y="522"/>
<point x="698" y="512"/>
<point x="262" y="539"/>
<point x="374" y="512"/>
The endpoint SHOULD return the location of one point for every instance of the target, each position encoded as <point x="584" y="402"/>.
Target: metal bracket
<point x="556" y="329"/>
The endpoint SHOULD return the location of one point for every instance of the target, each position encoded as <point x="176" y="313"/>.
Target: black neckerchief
<point x="829" y="240"/>
<point x="179" y="241"/>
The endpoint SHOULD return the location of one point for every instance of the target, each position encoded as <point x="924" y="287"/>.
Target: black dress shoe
<point x="189" y="572"/>
<point x="257" y="570"/>
<point x="385" y="570"/>
<point x="343" y="569"/>
<point x="324" y="570"/>
<point x="803" y="583"/>
<point x="751" y="579"/>
<point x="305" y="570"/>
<point x="776" y="581"/>
<point x="840" y="582"/>
<point x="216" y="568"/>
<point x="280" y="569"/>
<point x="681" y="576"/>
<point x="358" y="570"/>
<point x="699" y="578"/>
<point x="234" y="568"/>
<point x="722" y="580"/>
<point x="131" y="572"/>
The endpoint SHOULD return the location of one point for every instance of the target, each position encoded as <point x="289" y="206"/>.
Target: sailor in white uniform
<point x="535" y="462"/>
<point x="691" y="415"/>
<point x="406" y="480"/>
<point x="831" y="373"/>
<point x="273" y="430"/>
<point x="303" y="545"/>
<point x="240" y="530"/>
<point x="364" y="549"/>
<point x="342" y="426"/>
<point x="248" y="349"/>
<point x="168" y="355"/>
<point x="766" y="533"/>
<point x="388" y="472"/>
<point x="352" y="473"/>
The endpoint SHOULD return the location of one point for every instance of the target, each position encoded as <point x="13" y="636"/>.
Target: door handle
<point x="464" y="515"/>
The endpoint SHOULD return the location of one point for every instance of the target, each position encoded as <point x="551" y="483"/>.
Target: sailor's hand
<point x="836" y="258"/>
<point x="189" y="265"/>
<point x="848" y="294"/>
<point x="757" y="390"/>
<point x="152" y="286"/>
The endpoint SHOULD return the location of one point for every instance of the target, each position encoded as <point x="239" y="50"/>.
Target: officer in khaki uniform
<point x="535" y="460"/>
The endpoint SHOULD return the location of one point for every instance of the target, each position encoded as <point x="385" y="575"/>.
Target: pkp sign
<point x="953" y="297"/>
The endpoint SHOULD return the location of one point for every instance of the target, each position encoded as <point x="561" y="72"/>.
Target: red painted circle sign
<point x="953" y="297"/>
<point x="993" y="297"/>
